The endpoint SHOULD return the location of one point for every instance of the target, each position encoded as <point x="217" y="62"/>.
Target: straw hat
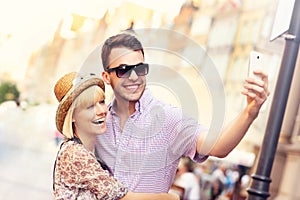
<point x="67" y="88"/>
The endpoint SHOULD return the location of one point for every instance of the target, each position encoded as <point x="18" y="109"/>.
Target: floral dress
<point x="78" y="175"/>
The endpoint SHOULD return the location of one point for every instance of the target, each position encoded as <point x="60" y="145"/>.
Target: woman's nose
<point x="100" y="108"/>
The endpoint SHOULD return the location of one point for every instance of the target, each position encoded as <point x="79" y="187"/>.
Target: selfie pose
<point x="147" y="137"/>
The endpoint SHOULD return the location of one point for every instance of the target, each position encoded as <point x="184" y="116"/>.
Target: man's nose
<point x="133" y="76"/>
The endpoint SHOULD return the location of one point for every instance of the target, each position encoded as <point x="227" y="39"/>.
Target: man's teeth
<point x="132" y="87"/>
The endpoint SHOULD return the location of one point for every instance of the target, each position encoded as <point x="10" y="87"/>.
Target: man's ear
<point x="105" y="77"/>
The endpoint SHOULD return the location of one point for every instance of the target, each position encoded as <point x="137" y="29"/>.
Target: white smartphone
<point x="256" y="62"/>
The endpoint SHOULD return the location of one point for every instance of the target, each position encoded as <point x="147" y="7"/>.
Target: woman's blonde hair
<point x="89" y="96"/>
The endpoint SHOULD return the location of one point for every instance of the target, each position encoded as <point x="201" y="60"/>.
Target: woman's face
<point x="90" y="118"/>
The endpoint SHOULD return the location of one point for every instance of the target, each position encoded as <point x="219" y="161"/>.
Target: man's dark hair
<point x="120" y="40"/>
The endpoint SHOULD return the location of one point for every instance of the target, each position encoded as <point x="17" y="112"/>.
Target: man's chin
<point x="134" y="97"/>
<point x="131" y="96"/>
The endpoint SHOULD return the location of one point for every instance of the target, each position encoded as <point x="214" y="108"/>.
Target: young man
<point x="145" y="137"/>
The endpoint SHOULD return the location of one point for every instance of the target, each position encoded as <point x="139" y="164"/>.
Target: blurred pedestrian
<point x="220" y="173"/>
<point x="188" y="180"/>
<point x="216" y="189"/>
<point x="81" y="116"/>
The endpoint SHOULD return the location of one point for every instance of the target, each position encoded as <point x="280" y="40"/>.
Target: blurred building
<point x="227" y="29"/>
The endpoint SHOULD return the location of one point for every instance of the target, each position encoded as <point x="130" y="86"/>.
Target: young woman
<point x="81" y="115"/>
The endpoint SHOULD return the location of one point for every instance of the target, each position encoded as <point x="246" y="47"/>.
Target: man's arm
<point x="256" y="92"/>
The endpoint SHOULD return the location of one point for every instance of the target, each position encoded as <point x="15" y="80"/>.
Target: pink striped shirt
<point x="145" y="155"/>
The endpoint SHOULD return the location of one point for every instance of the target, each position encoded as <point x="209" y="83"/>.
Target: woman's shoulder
<point x="72" y="149"/>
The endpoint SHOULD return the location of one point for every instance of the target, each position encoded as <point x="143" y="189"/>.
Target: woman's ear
<point x="105" y="77"/>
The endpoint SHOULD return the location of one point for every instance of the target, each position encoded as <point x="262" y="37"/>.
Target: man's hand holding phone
<point x="256" y="86"/>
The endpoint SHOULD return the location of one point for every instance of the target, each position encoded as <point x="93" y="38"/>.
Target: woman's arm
<point x="149" y="196"/>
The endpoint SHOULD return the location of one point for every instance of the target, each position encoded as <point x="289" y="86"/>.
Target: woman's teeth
<point x="99" y="121"/>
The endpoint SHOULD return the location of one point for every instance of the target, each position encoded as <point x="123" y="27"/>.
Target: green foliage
<point x="8" y="91"/>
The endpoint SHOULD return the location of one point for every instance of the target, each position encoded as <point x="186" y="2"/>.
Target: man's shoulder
<point x="148" y="99"/>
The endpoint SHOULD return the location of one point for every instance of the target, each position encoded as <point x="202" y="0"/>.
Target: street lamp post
<point x="259" y="189"/>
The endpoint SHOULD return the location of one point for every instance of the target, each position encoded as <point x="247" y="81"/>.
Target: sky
<point x="25" y="25"/>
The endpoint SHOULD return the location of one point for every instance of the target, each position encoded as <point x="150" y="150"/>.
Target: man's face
<point x="132" y="87"/>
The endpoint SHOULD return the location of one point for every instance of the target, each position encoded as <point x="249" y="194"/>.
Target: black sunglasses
<point x="124" y="71"/>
